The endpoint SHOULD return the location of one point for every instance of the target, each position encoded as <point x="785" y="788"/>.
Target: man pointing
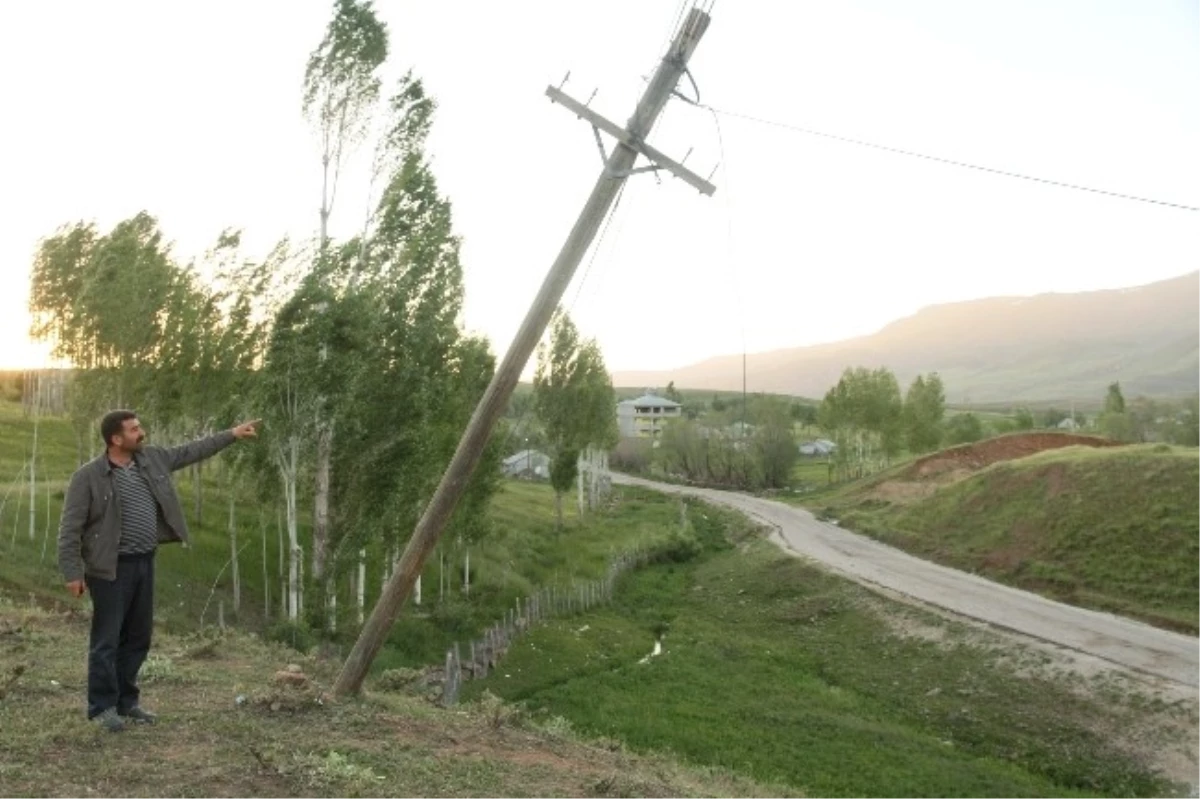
<point x="118" y="509"/>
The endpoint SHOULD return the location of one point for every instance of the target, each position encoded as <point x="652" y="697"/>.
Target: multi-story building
<point x="646" y="416"/>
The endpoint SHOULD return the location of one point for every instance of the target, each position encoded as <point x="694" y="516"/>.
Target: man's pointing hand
<point x="246" y="429"/>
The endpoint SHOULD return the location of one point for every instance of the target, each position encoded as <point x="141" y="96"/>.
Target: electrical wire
<point x="727" y="193"/>
<point x="596" y="246"/>
<point x="674" y="27"/>
<point x="938" y="159"/>
<point x="587" y="268"/>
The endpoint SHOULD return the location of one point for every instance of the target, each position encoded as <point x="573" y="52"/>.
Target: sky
<point x="191" y="111"/>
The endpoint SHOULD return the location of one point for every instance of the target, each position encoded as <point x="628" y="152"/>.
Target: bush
<point x="679" y="547"/>
<point x="297" y="635"/>
<point x="397" y="679"/>
<point x="631" y="455"/>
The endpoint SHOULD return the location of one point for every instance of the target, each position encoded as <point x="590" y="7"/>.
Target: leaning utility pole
<point x="617" y="166"/>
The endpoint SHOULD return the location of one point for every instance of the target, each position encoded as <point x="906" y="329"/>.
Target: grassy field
<point x="1113" y="529"/>
<point x="777" y="670"/>
<point x="772" y="670"/>
<point x="522" y="552"/>
<point x="207" y="744"/>
<point x="189" y="579"/>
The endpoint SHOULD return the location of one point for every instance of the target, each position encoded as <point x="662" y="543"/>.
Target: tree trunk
<point x="198" y="493"/>
<point x="417" y="592"/>
<point x="467" y="573"/>
<point x="579" y="485"/>
<point x="558" y="508"/>
<point x="331" y="603"/>
<point x="46" y="526"/>
<point x="320" y="542"/>
<point x="262" y="529"/>
<point x="300" y="582"/>
<point x="294" y="552"/>
<point x="361" y="587"/>
<point x="33" y="464"/>
<point x="590" y="493"/>
<point x="388" y="562"/>
<point x="283" y="583"/>
<point x="12" y="544"/>
<point x="233" y="553"/>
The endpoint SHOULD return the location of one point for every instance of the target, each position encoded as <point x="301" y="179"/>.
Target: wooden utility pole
<point x="617" y="166"/>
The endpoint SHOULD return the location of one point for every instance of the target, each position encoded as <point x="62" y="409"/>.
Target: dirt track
<point x="1118" y="642"/>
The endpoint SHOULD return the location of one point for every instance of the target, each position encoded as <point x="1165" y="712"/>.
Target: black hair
<point x="114" y="423"/>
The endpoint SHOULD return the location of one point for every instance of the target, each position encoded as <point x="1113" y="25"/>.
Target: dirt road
<point x="1117" y="641"/>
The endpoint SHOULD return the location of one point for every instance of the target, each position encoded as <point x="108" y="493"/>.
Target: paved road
<point x="1120" y="641"/>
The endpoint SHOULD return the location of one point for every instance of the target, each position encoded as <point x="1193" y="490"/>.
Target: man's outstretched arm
<point x="186" y="454"/>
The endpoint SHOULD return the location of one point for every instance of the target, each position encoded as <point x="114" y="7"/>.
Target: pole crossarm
<point x="660" y="160"/>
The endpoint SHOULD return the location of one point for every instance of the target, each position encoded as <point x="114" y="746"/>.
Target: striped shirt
<point x="139" y="511"/>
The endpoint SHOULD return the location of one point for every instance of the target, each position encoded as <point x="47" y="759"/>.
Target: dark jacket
<point x="90" y="531"/>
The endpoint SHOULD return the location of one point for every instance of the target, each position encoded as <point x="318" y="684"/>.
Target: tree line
<point x="352" y="351"/>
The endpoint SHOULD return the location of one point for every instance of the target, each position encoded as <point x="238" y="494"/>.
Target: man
<point x="118" y="509"/>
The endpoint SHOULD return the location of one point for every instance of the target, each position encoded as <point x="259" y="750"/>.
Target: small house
<point x="528" y="464"/>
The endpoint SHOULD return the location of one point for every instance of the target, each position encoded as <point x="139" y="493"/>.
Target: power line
<point x="587" y="268"/>
<point x="675" y="26"/>
<point x="940" y="160"/>
<point x="599" y="242"/>
<point x="729" y="247"/>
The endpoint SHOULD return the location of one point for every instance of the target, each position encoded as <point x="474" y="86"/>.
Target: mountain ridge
<point x="1006" y="348"/>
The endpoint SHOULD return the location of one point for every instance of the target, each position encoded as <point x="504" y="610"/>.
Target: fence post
<point x="453" y="677"/>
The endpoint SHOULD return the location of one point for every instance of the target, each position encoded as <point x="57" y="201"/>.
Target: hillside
<point x="1046" y="347"/>
<point x="284" y="740"/>
<point x="760" y="689"/>
<point x="1112" y="528"/>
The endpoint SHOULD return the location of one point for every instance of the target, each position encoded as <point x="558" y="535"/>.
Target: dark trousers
<point x="122" y="620"/>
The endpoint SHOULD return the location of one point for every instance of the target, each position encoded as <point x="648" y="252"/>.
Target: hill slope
<point x="282" y="741"/>
<point x="1046" y="347"/>
<point x="1113" y="528"/>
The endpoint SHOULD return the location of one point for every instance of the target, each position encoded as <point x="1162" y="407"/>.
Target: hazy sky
<point x="191" y="111"/>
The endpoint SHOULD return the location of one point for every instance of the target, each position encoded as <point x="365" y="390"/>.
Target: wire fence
<point x="481" y="656"/>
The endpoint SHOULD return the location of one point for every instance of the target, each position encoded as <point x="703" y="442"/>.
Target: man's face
<point x="131" y="436"/>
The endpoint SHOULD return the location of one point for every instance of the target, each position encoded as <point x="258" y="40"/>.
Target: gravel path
<point x="1123" y="642"/>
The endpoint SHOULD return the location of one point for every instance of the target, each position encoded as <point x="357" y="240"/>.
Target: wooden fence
<point x="482" y="655"/>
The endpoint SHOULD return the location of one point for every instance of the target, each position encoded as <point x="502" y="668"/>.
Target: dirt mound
<point x="972" y="457"/>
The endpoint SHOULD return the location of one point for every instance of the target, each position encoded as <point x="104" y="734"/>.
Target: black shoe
<point x="110" y="721"/>
<point x="136" y="714"/>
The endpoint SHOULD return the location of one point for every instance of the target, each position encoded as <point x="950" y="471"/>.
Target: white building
<point x="646" y="416"/>
<point x="529" y="464"/>
<point x="821" y="446"/>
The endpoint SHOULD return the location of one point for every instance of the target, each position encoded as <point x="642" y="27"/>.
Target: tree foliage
<point x="963" y="428"/>
<point x="575" y="401"/>
<point x="864" y="415"/>
<point x="1114" y="400"/>
<point x="362" y="335"/>
<point x="924" y="407"/>
<point x="341" y="88"/>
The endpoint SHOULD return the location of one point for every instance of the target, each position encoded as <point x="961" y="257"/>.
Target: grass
<point x="793" y="679"/>
<point x="206" y="743"/>
<point x="1113" y="529"/>
<point x="780" y="671"/>
<point x="522" y="552"/>
<point x="186" y="577"/>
